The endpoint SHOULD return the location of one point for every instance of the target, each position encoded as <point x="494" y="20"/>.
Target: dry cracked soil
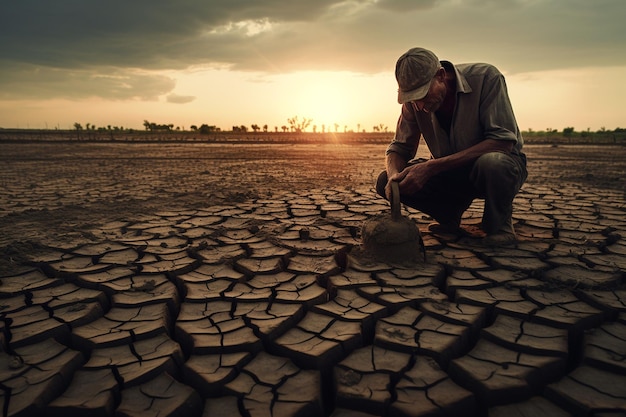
<point x="188" y="279"/>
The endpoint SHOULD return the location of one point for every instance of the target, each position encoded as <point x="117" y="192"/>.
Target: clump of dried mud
<point x="395" y="241"/>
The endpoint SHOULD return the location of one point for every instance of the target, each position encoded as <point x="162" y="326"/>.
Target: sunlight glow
<point x="580" y="97"/>
<point x="343" y="100"/>
<point x="350" y="100"/>
<point x="327" y="100"/>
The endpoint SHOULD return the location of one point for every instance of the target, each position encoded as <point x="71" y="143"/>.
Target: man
<point x="465" y="116"/>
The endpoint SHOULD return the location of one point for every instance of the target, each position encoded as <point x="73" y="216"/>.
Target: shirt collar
<point x="462" y="86"/>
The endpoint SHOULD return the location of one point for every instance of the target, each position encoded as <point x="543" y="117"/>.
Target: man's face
<point x="433" y="99"/>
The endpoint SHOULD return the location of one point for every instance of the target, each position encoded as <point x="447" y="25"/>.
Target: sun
<point x="334" y="101"/>
<point x="329" y="99"/>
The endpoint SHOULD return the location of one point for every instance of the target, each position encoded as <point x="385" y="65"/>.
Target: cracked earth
<point x="218" y="280"/>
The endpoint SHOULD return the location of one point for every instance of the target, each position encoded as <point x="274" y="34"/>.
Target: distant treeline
<point x="25" y="135"/>
<point x="567" y="136"/>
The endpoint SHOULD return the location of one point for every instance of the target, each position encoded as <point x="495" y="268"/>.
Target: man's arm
<point x="412" y="178"/>
<point x="404" y="145"/>
<point x="394" y="164"/>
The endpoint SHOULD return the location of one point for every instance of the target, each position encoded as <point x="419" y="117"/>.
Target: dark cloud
<point x="78" y="48"/>
<point x="37" y="82"/>
<point x="70" y="33"/>
<point x="531" y="35"/>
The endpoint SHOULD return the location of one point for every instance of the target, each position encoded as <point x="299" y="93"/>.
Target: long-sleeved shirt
<point x="482" y="111"/>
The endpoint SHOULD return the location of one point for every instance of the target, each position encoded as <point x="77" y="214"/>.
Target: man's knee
<point x="498" y="168"/>
<point x="497" y="164"/>
<point x="494" y="162"/>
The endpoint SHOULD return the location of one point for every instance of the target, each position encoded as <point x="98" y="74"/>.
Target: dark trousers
<point x="495" y="177"/>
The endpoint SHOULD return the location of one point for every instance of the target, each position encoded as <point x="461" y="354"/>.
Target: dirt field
<point x="54" y="192"/>
<point x="204" y="280"/>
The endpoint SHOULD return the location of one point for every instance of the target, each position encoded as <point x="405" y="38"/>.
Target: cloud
<point x="114" y="49"/>
<point x="177" y="99"/>
<point x="142" y="32"/>
<point x="404" y="6"/>
<point x="32" y="81"/>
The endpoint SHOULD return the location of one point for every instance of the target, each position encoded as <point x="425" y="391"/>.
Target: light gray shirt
<point x="482" y="111"/>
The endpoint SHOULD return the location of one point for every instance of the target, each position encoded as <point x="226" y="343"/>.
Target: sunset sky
<point x="244" y="62"/>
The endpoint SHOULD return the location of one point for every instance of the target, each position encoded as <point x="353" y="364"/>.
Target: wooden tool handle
<point x="395" y="201"/>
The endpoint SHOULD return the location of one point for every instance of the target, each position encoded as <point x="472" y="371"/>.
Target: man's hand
<point x="411" y="179"/>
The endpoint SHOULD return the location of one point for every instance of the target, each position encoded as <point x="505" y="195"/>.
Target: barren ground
<point x="54" y="192"/>
<point x="206" y="280"/>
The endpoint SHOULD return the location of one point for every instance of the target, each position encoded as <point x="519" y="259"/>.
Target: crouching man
<point x="466" y="118"/>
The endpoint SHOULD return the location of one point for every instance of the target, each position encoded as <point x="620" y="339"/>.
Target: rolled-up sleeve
<point x="407" y="136"/>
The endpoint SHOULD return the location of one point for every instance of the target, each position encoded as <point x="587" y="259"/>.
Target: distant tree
<point x="298" y="125"/>
<point x="206" y="129"/>
<point x="314" y="128"/>
<point x="567" y="131"/>
<point x="265" y="128"/>
<point x="193" y="127"/>
<point x="379" y="128"/>
<point x="336" y="127"/>
<point x="255" y="128"/>
<point x="78" y="128"/>
<point x="154" y="126"/>
<point x="284" y="128"/>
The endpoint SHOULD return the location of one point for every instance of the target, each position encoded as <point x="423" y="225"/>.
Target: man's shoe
<point x="501" y="238"/>
<point x="504" y="236"/>
<point x="445" y="229"/>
